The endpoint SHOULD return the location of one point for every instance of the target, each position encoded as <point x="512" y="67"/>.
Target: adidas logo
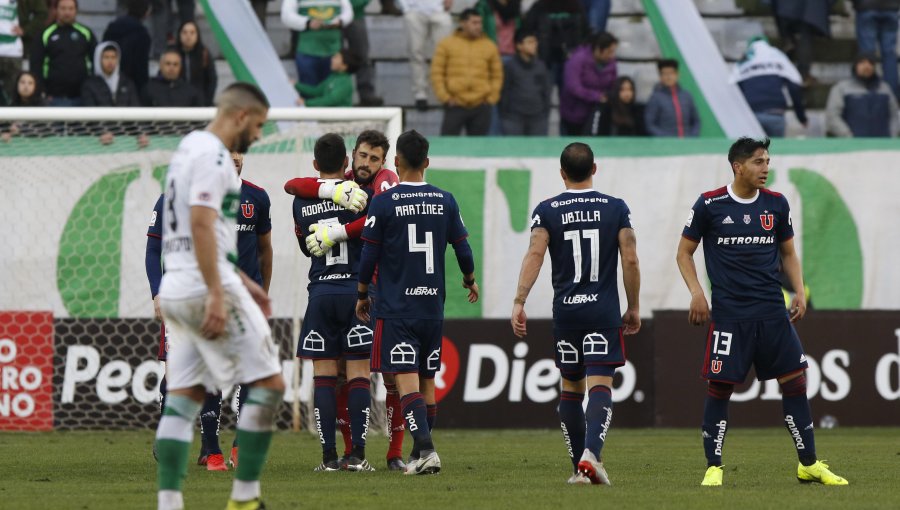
<point x="727" y="221"/>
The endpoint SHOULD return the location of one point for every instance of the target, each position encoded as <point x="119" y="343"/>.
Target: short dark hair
<point x="330" y="152"/>
<point x="413" y="148"/>
<point x="577" y="161"/>
<point x="468" y="13"/>
<point x="523" y="33"/>
<point x="171" y="49"/>
<point x="744" y="147"/>
<point x="110" y="47"/>
<point x="667" y="62"/>
<point x="250" y="90"/>
<point x="138" y="8"/>
<point x="603" y="40"/>
<point x="373" y="139"/>
<point x="351" y="60"/>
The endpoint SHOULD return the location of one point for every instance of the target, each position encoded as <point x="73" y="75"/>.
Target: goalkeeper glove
<point x="323" y="237"/>
<point x="346" y="194"/>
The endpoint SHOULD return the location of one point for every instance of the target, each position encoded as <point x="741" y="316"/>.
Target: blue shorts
<point x="331" y="330"/>
<point x="771" y="346"/>
<point x="581" y="352"/>
<point x="407" y="346"/>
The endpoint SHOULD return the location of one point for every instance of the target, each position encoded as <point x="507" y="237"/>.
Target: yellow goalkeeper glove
<point x="346" y="194"/>
<point x="323" y="237"/>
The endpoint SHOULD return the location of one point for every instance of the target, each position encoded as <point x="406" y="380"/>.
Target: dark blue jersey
<point x="155" y="228"/>
<point x="584" y="230"/>
<point x="413" y="223"/>
<point x="338" y="270"/>
<point x="740" y="245"/>
<point x="253" y="221"/>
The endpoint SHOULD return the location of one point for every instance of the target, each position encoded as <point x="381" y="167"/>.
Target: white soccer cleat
<point x="578" y="479"/>
<point x="593" y="469"/>
<point x="427" y="465"/>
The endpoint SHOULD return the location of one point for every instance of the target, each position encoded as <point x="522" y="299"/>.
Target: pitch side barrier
<point x="63" y="374"/>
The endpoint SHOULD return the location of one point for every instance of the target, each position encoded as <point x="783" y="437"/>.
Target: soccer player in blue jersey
<point x="254" y="232"/>
<point x="331" y="330"/>
<point x="746" y="230"/>
<point x="585" y="231"/>
<point x="407" y="232"/>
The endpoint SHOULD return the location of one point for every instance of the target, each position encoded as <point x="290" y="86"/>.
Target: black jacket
<point x="62" y="57"/>
<point x="559" y="29"/>
<point x="134" y="40"/>
<point x="160" y="92"/>
<point x="876" y="5"/>
<point x="198" y="69"/>
<point x="526" y="88"/>
<point x="606" y="126"/>
<point x="95" y="92"/>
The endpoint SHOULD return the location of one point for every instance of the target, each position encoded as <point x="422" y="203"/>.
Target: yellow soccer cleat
<point x="253" y="504"/>
<point x="819" y="472"/>
<point x="713" y="477"/>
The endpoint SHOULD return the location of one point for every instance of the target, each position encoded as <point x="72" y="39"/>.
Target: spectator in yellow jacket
<point x="467" y="76"/>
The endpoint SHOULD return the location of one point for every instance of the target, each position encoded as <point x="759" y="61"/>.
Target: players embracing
<point x="585" y="231"/>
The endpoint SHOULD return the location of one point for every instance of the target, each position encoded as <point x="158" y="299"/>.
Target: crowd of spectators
<point x="496" y="72"/>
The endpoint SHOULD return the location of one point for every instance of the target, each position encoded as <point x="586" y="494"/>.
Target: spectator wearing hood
<point x="589" y="76"/>
<point x="197" y="66"/>
<point x="167" y="88"/>
<point x="763" y="74"/>
<point x="134" y="42"/>
<point x="876" y="30"/>
<point x="108" y="86"/>
<point x="862" y="106"/>
<point x="670" y="110"/>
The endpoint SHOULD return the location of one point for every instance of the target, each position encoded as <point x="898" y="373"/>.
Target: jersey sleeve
<point x="538" y="218"/>
<point x="624" y="216"/>
<point x="697" y="221"/>
<point x="209" y="181"/>
<point x="385" y="180"/>
<point x="374" y="226"/>
<point x="303" y="187"/>
<point x="784" y="229"/>
<point x="156" y="220"/>
<point x="264" y="225"/>
<point x="456" y="229"/>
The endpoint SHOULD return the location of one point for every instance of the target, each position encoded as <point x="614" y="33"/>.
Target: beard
<point x="363" y="180"/>
<point x="243" y="143"/>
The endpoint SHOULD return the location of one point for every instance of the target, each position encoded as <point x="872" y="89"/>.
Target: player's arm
<point x="204" y="235"/>
<point x="531" y="268"/>
<point x="466" y="261"/>
<point x="631" y="278"/>
<point x="152" y="258"/>
<point x="346" y="194"/>
<point x="699" y="312"/>
<point x="790" y="264"/>
<point x="371" y="252"/>
<point x="264" y="244"/>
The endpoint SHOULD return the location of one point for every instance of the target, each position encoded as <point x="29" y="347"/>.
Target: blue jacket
<point x="661" y="116"/>
<point x="765" y="93"/>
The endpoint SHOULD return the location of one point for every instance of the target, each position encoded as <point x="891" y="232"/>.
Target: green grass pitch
<point x="650" y="468"/>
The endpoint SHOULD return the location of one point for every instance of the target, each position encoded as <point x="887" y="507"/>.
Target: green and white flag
<point x="10" y="44"/>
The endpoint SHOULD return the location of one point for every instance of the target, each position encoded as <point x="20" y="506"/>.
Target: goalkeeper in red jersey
<point x="367" y="173"/>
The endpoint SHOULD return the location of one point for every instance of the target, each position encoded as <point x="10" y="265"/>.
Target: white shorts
<point x="243" y="354"/>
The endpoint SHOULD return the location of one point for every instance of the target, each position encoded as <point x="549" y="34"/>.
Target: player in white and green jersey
<point x="216" y="311"/>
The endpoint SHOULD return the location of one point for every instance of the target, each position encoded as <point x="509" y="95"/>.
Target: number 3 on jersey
<point x="593" y="235"/>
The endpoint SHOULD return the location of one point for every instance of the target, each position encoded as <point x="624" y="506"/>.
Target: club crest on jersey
<point x="567" y="352"/>
<point x="767" y="220"/>
<point x="247" y="210"/>
<point x="747" y="219"/>
<point x="716" y="366"/>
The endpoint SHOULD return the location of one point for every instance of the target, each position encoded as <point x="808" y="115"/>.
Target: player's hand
<point x="156" y="311"/>
<point x="632" y="321"/>
<point x="363" y="306"/>
<point x="213" y="315"/>
<point x="798" y="307"/>
<point x="473" y="291"/>
<point x="320" y="239"/>
<point x="518" y="320"/>
<point x="259" y="295"/>
<point x="699" y="313"/>
<point x="349" y="195"/>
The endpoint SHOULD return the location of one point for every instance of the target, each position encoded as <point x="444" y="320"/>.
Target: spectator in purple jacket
<point x="590" y="74"/>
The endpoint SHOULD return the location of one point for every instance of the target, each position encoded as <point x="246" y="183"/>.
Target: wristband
<point x="468" y="283"/>
<point x="519" y="301"/>
<point x="362" y="296"/>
